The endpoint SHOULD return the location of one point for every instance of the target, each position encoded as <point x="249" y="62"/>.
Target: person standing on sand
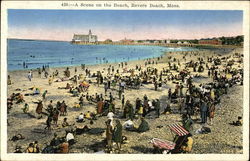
<point x="105" y="88"/>
<point x="9" y="80"/>
<point x="75" y="69"/>
<point x="169" y="94"/>
<point x="100" y="104"/>
<point x="39" y="109"/>
<point x="109" y="133"/>
<point x="157" y="108"/>
<point x="204" y="110"/>
<point x="50" y="80"/>
<point x="156" y="85"/>
<point x="44" y="94"/>
<point x="211" y="112"/>
<point x="63" y="109"/>
<point x="55" y="113"/>
<point x="30" y="75"/>
<point x="48" y="122"/>
<point x="39" y="72"/>
<point x="118" y="135"/>
<point x="120" y="93"/>
<point x="123" y="101"/>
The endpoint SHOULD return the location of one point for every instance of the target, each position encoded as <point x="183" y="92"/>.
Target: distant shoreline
<point x="202" y="46"/>
<point x="36" y="40"/>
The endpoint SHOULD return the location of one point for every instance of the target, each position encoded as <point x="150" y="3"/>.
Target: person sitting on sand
<point x="30" y="148"/>
<point x="36" y="147"/>
<point x="77" y="105"/>
<point x="67" y="86"/>
<point x="187" y="122"/>
<point x="81" y="130"/>
<point x="188" y="144"/>
<point x="239" y="122"/>
<point x="26" y="108"/>
<point x="18" y="149"/>
<point x="55" y="141"/>
<point x="87" y="115"/>
<point x="17" y="137"/>
<point x="64" y="147"/>
<point x="80" y="118"/>
<point x="65" y="123"/>
<point x="129" y="125"/>
<point x="20" y="99"/>
<point x="37" y="91"/>
<point x="70" y="137"/>
<point x="75" y="92"/>
<point x="144" y="126"/>
<point x="167" y="109"/>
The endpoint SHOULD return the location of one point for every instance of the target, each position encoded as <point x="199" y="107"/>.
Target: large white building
<point x="85" y="38"/>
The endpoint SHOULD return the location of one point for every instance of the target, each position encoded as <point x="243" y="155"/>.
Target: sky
<point x="120" y="24"/>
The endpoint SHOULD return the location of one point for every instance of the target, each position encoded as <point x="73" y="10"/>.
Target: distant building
<point x="126" y="41"/>
<point x="166" y="41"/>
<point x="84" y="38"/>
<point x="210" y="42"/>
<point x="108" y="41"/>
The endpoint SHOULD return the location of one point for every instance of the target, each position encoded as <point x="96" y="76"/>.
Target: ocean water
<point x="37" y="53"/>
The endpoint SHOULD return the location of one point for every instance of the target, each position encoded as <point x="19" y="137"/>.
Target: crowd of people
<point x="187" y="98"/>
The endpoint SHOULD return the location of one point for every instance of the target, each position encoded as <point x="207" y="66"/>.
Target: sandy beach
<point x="224" y="137"/>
